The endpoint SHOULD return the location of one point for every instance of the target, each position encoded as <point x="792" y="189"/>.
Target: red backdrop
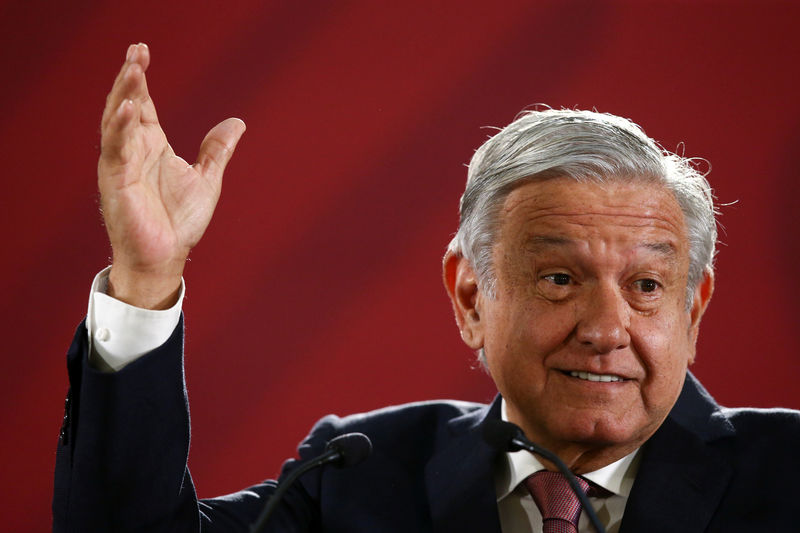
<point x="317" y="289"/>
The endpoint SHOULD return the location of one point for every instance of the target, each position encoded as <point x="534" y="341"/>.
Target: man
<point x="580" y="272"/>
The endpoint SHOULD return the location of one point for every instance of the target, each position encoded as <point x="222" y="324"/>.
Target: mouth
<point x="588" y="376"/>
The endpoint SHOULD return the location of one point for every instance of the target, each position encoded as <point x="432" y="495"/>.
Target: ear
<point x="462" y="287"/>
<point x="702" y="295"/>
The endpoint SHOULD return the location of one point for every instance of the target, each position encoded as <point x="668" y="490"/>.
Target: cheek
<point x="536" y="323"/>
<point x="519" y="342"/>
<point x="663" y="348"/>
<point x="661" y="339"/>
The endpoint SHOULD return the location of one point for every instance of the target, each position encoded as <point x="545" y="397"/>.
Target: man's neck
<point x="580" y="457"/>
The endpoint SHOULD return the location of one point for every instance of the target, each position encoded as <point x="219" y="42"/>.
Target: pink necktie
<point x="559" y="506"/>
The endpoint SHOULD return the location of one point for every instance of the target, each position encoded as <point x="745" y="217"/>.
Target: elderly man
<point x="580" y="272"/>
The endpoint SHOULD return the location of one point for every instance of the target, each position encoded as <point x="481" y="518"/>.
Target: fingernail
<point x="129" y="52"/>
<point x="134" y="53"/>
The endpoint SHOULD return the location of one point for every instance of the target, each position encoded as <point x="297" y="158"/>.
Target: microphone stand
<point x="330" y="456"/>
<point x="343" y="451"/>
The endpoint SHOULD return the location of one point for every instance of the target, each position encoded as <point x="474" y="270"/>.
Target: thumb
<point x="217" y="148"/>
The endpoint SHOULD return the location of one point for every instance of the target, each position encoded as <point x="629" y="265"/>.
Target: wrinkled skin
<point x="590" y="278"/>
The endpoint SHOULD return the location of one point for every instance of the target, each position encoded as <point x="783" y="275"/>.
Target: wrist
<point x="154" y="289"/>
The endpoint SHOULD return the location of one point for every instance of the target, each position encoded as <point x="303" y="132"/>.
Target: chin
<point x="599" y="431"/>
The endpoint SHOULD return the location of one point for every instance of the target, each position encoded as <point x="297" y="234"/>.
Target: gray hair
<point x="585" y="146"/>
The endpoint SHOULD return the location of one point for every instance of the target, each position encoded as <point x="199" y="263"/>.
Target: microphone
<point x="349" y="449"/>
<point x="343" y="451"/>
<point x="507" y="437"/>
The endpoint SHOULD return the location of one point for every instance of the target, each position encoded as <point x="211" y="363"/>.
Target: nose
<point x="604" y="320"/>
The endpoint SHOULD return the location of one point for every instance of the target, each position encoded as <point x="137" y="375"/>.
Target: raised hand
<point x="156" y="206"/>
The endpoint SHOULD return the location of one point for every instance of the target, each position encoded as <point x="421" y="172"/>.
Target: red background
<point x="316" y="288"/>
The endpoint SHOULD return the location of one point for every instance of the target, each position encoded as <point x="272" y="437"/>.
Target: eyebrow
<point x="663" y="248"/>
<point x="537" y="242"/>
<point x="544" y="241"/>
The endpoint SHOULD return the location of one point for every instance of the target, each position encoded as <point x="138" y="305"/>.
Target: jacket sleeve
<point x="121" y="462"/>
<point x="122" y="451"/>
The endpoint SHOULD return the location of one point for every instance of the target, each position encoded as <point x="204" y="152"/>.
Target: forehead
<point x="562" y="208"/>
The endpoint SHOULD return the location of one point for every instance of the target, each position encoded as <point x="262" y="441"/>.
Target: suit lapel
<point x="681" y="479"/>
<point x="679" y="485"/>
<point x="459" y="478"/>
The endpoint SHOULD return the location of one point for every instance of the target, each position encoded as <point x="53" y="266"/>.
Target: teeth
<point x="595" y="377"/>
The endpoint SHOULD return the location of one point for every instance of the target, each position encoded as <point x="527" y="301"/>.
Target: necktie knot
<point x="560" y="507"/>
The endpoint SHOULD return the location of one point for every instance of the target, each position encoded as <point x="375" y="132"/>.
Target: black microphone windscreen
<point x="500" y="434"/>
<point x="353" y="447"/>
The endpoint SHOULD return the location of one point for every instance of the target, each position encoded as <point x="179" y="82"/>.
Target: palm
<point x="159" y="205"/>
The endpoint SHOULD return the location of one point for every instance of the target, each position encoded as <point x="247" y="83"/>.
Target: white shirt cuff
<point x="120" y="333"/>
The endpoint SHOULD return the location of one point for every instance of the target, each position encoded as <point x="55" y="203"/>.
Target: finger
<point x="131" y="84"/>
<point x="128" y="90"/>
<point x="141" y="56"/>
<point x="217" y="148"/>
<point x="117" y="135"/>
<point x="140" y="53"/>
<point x="124" y="109"/>
<point x="127" y="106"/>
<point x="114" y="97"/>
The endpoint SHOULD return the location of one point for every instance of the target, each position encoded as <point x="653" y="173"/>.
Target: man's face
<point x="588" y="337"/>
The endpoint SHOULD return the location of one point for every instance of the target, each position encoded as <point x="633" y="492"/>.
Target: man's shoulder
<point x="412" y="429"/>
<point x="766" y="438"/>
<point x="754" y="422"/>
<point x="431" y="413"/>
<point x="697" y="411"/>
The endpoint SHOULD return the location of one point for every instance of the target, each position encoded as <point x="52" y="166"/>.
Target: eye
<point x="558" y="286"/>
<point x="559" y="278"/>
<point x="647" y="285"/>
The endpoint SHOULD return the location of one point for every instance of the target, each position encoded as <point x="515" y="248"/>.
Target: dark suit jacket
<point x="121" y="465"/>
